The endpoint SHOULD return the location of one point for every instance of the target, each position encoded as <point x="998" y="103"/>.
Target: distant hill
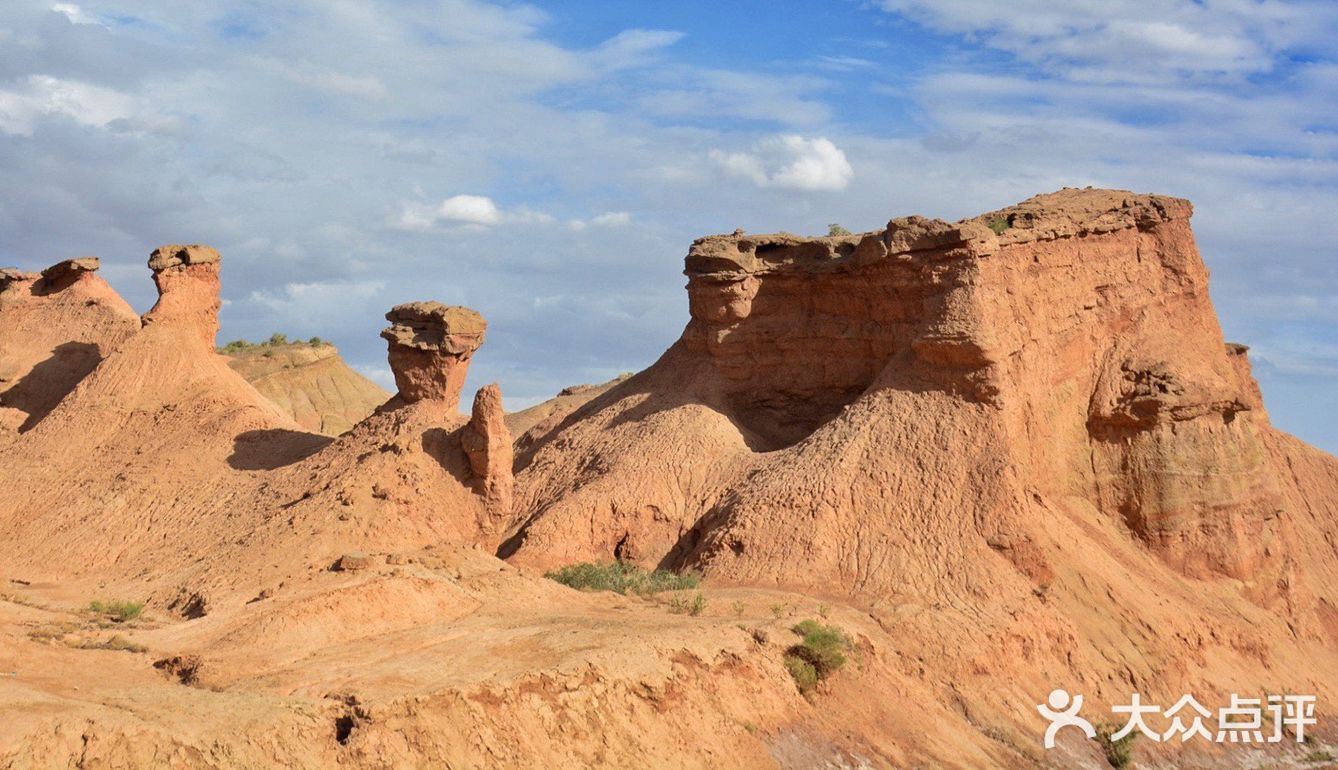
<point x="308" y="381"/>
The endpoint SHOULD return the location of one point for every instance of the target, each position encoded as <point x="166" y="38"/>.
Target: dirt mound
<point x="310" y="383"/>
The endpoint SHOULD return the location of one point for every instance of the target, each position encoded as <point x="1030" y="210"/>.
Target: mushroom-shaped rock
<point x="70" y="269"/>
<point x="487" y="442"/>
<point x="430" y="345"/>
<point x="188" y="287"/>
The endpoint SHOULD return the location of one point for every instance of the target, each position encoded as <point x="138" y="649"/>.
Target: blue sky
<point x="549" y="163"/>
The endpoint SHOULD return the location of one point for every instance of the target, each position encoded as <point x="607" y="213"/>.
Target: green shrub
<point x="622" y="578"/>
<point x="998" y="223"/>
<point x="315" y="342"/>
<point x="1118" y="752"/>
<point x="277" y="339"/>
<point x="805" y="675"/>
<point x="835" y="229"/>
<point x="117" y="610"/>
<point x="236" y="346"/>
<point x="819" y="654"/>
<point x="823" y="646"/>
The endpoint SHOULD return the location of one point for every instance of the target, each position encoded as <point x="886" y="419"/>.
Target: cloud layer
<point x="549" y="165"/>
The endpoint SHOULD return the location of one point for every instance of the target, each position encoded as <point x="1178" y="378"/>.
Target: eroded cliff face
<point x="1062" y="352"/>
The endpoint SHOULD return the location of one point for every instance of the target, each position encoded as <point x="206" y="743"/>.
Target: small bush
<point x="738" y="608"/>
<point x="236" y="346"/>
<point x="315" y="342"/>
<point x="622" y="578"/>
<point x="117" y="610"/>
<point x="823" y="646"/>
<point x="835" y="229"/>
<point x="821" y="651"/>
<point x="1118" y="753"/>
<point x="1319" y="756"/>
<point x="277" y="339"/>
<point x="805" y="675"/>
<point x="998" y="224"/>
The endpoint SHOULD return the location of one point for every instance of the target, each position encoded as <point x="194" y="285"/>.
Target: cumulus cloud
<point x="790" y="162"/>
<point x="457" y="209"/>
<point x="475" y="212"/>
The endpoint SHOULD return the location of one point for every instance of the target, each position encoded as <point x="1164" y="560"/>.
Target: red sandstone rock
<point x="188" y="288"/>
<point x="430" y="345"/>
<point x="487" y="442"/>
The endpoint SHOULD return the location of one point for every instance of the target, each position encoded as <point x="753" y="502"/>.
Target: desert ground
<point x="976" y="461"/>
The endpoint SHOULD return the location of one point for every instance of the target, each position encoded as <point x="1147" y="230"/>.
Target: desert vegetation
<point x="820" y="653"/>
<point x="276" y="340"/>
<point x="623" y="578"/>
<point x="117" y="610"/>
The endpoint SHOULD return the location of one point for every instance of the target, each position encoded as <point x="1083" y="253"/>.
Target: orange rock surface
<point x="1003" y="455"/>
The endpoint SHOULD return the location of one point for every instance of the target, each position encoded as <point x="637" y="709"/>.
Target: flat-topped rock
<point x="71" y="267"/>
<point x="176" y="255"/>
<point x="430" y="345"/>
<point x="188" y="288"/>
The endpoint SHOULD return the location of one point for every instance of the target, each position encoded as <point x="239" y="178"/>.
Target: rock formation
<point x="487" y="442"/>
<point x="430" y="345"/>
<point x="188" y="288"/>
<point x="1059" y="353"/>
<point x="1003" y="455"/>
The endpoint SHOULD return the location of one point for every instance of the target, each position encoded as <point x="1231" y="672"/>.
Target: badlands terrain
<point x="1002" y="455"/>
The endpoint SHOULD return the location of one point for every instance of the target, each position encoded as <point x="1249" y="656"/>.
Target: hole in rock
<point x="343" y="729"/>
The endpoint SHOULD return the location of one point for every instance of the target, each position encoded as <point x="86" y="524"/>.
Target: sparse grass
<point x="698" y="605"/>
<point x="738" y="608"/>
<point x="622" y="578"/>
<point x="1319" y="756"/>
<point x="998" y="223"/>
<point x="117" y="610"/>
<point x="1119" y="753"/>
<point x="820" y="653"/>
<point x="679" y="605"/>
<point x="823" y="611"/>
<point x="114" y="643"/>
<point x="780" y="610"/>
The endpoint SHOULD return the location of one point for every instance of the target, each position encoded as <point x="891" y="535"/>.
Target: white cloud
<point x="74" y="13"/>
<point x="607" y="219"/>
<point x="43" y="96"/>
<point x="633" y="47"/>
<point x="468" y="211"/>
<point x="790" y="162"/>
<point x="1119" y="40"/>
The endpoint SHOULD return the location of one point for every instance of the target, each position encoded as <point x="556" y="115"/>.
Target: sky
<point x="549" y="163"/>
